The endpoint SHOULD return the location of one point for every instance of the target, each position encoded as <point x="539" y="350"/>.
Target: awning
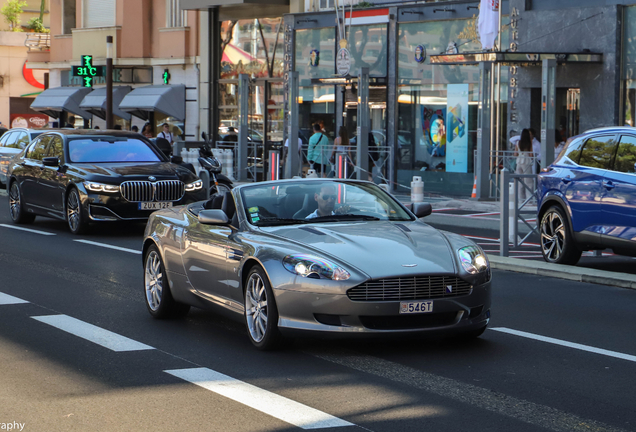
<point x="55" y="100"/>
<point x="95" y="102"/>
<point x="514" y="58"/>
<point x="166" y="99"/>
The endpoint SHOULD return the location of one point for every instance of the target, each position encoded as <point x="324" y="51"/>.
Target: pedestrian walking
<point x="134" y="129"/>
<point x="166" y="134"/>
<point x="318" y="151"/>
<point x="525" y="162"/>
<point x="147" y="131"/>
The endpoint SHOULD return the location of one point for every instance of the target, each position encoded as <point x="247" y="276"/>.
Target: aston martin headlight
<point x="314" y="268"/>
<point x="194" y="186"/>
<point x="473" y="259"/>
<point x="101" y="187"/>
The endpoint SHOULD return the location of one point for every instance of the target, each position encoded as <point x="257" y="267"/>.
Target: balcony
<point x="38" y="47"/>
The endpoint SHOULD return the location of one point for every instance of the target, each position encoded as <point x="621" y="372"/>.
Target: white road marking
<point x="92" y="333"/>
<point x="27" y="229"/>
<point x="104" y="245"/>
<point x="566" y="344"/>
<point x="6" y="299"/>
<point x="261" y="400"/>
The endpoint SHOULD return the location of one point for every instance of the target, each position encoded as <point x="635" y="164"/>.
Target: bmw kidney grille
<point x="141" y="191"/>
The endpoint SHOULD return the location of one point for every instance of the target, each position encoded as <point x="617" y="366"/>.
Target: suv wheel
<point x="557" y="244"/>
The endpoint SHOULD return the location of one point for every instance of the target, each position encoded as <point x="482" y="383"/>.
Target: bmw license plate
<point x="154" y="205"/>
<point x="413" y="307"/>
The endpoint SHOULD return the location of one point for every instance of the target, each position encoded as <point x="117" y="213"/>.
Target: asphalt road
<point x="572" y="368"/>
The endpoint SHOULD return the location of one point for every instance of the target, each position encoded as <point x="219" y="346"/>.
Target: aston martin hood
<point x="380" y="249"/>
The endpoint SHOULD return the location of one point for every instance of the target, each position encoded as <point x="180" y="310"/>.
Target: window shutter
<point x="99" y="13"/>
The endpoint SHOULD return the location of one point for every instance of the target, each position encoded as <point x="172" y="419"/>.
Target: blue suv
<point x="587" y="197"/>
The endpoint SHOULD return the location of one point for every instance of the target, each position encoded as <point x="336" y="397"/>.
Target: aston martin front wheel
<point x="557" y="244"/>
<point x="261" y="314"/>
<point x="158" y="297"/>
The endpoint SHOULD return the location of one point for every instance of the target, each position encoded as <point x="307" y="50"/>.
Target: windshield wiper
<point x="343" y="217"/>
<point x="280" y="221"/>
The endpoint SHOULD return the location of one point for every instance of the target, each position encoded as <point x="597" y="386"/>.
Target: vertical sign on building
<point x="457" y="128"/>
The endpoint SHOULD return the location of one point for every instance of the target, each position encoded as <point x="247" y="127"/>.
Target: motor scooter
<point x="219" y="183"/>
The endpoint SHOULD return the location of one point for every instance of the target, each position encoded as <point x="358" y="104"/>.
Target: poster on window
<point x="34" y="121"/>
<point x="457" y="128"/>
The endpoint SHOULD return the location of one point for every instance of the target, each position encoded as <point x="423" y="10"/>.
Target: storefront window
<point x="315" y="54"/>
<point x="437" y="106"/>
<point x="253" y="47"/>
<point x="368" y="48"/>
<point x="629" y="69"/>
<point x="317" y="105"/>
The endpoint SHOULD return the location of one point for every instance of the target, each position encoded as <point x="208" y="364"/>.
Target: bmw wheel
<point x="157" y="293"/>
<point x="557" y="244"/>
<point x="261" y="314"/>
<point x="75" y="213"/>
<point x="16" y="207"/>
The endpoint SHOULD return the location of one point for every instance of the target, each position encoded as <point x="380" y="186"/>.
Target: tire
<point x="557" y="244"/>
<point x="261" y="313"/>
<point x="16" y="207"/>
<point x="157" y="294"/>
<point x="76" y="217"/>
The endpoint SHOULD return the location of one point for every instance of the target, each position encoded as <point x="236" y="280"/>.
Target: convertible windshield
<point x="110" y="149"/>
<point x="319" y="202"/>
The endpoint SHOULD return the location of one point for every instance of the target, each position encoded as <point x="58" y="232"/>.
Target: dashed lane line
<point x="581" y="347"/>
<point x="27" y="229"/>
<point x="261" y="400"/>
<point x="104" y="245"/>
<point x="92" y="333"/>
<point x="6" y="299"/>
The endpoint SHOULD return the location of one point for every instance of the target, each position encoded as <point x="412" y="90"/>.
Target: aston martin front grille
<point x="410" y="288"/>
<point x="141" y="191"/>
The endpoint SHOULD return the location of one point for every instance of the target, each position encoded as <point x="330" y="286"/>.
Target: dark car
<point x="587" y="197"/>
<point x="84" y="176"/>
<point x="11" y="143"/>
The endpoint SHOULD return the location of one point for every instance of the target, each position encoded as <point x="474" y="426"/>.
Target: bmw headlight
<point x="100" y="187"/>
<point x="194" y="186"/>
<point x="473" y="259"/>
<point x="314" y="268"/>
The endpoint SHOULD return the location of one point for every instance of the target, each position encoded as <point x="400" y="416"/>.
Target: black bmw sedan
<point x="84" y="176"/>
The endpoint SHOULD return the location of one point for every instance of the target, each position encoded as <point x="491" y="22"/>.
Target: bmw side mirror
<point x="421" y="209"/>
<point x="51" y="161"/>
<point x="213" y="217"/>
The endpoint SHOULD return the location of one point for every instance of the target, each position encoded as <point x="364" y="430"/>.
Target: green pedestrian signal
<point x="166" y="76"/>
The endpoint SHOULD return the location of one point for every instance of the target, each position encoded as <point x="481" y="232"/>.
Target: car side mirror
<point x="176" y="160"/>
<point x="213" y="217"/>
<point x="421" y="209"/>
<point x="52" y="161"/>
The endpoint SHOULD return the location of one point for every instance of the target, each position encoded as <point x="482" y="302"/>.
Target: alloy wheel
<point x="73" y="211"/>
<point x="153" y="280"/>
<point x="256" y="307"/>
<point x="552" y="236"/>
<point x="14" y="201"/>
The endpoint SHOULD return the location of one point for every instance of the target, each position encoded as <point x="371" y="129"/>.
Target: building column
<point x="548" y="111"/>
<point x="362" y="151"/>
<point x="482" y="162"/>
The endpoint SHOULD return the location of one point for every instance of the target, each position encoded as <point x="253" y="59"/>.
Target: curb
<point x="578" y="274"/>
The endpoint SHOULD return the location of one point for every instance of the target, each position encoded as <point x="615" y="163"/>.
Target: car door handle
<point x="566" y="180"/>
<point x="608" y="184"/>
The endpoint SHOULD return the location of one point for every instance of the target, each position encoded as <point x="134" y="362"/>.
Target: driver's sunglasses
<point x="328" y="197"/>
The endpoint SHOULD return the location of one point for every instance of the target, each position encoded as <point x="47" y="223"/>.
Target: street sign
<point x="87" y="71"/>
<point x="343" y="62"/>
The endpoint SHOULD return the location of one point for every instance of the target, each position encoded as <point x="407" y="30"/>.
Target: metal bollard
<point x="512" y="214"/>
<point x="274" y="163"/>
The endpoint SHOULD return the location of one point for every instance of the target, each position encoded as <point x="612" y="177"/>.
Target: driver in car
<point x="326" y="199"/>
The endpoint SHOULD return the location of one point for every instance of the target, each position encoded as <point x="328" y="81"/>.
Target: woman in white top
<point x="525" y="162"/>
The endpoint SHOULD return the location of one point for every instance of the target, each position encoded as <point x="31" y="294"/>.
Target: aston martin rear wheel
<point x="158" y="297"/>
<point x="75" y="213"/>
<point x="557" y="244"/>
<point x="261" y="314"/>
<point x="16" y="206"/>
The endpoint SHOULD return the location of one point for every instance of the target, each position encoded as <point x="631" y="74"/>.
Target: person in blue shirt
<point x="319" y="151"/>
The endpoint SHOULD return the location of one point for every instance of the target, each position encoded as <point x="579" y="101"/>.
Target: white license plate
<point x="413" y="307"/>
<point x="154" y="205"/>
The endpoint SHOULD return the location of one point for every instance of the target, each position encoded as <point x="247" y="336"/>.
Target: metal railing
<point x="38" y="42"/>
<point x="512" y="212"/>
<point x="498" y="161"/>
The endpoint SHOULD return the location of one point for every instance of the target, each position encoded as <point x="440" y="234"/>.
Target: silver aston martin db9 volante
<point x="315" y="255"/>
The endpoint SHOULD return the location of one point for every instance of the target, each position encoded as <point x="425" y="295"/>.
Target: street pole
<point x="109" y="82"/>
